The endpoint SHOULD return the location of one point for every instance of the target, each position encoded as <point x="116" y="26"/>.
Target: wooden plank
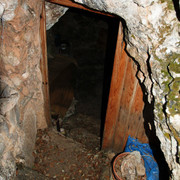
<point x="125" y="107"/>
<point x="130" y="120"/>
<point x="69" y="3"/>
<point x="115" y="94"/>
<point x="124" y="115"/>
<point x="138" y="107"/>
<point x="44" y="65"/>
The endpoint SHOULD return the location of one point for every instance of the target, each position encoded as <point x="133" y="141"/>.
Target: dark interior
<point x="81" y="49"/>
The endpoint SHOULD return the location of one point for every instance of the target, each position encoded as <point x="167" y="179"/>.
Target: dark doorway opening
<point x="81" y="49"/>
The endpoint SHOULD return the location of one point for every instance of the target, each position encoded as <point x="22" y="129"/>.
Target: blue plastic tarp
<point x="152" y="170"/>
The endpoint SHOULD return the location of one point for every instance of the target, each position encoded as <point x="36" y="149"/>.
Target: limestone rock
<point x="7" y="9"/>
<point x="30" y="129"/>
<point x="8" y="99"/>
<point x="53" y="13"/>
<point x="20" y="81"/>
<point x="132" y="166"/>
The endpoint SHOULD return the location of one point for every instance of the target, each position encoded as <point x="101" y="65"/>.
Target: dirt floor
<point x="60" y="157"/>
<point x="73" y="153"/>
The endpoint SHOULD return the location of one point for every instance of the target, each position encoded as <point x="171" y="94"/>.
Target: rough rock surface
<point x="53" y="13"/>
<point x="21" y="98"/>
<point x="153" y="39"/>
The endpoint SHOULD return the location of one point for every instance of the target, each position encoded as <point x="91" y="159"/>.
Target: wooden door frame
<point x="117" y="126"/>
<point x="117" y="81"/>
<point x="69" y="3"/>
<point x="44" y="65"/>
<point x="44" y="61"/>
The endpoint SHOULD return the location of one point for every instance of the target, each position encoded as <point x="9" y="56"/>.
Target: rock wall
<point x="53" y="13"/>
<point x="21" y="98"/>
<point x="153" y="39"/>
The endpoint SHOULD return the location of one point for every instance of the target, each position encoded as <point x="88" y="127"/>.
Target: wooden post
<point x="124" y="115"/>
<point x="44" y="64"/>
<point x="117" y="81"/>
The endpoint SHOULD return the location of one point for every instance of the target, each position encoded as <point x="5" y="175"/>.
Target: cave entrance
<point x="108" y="94"/>
<point x="77" y="54"/>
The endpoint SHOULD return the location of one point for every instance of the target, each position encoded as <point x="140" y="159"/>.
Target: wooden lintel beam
<point x="70" y="3"/>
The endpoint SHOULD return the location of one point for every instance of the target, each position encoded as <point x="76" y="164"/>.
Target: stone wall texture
<point x="21" y="98"/>
<point x="53" y="13"/>
<point x="153" y="39"/>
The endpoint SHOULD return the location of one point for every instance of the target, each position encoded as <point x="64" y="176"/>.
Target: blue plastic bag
<point x="152" y="170"/>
